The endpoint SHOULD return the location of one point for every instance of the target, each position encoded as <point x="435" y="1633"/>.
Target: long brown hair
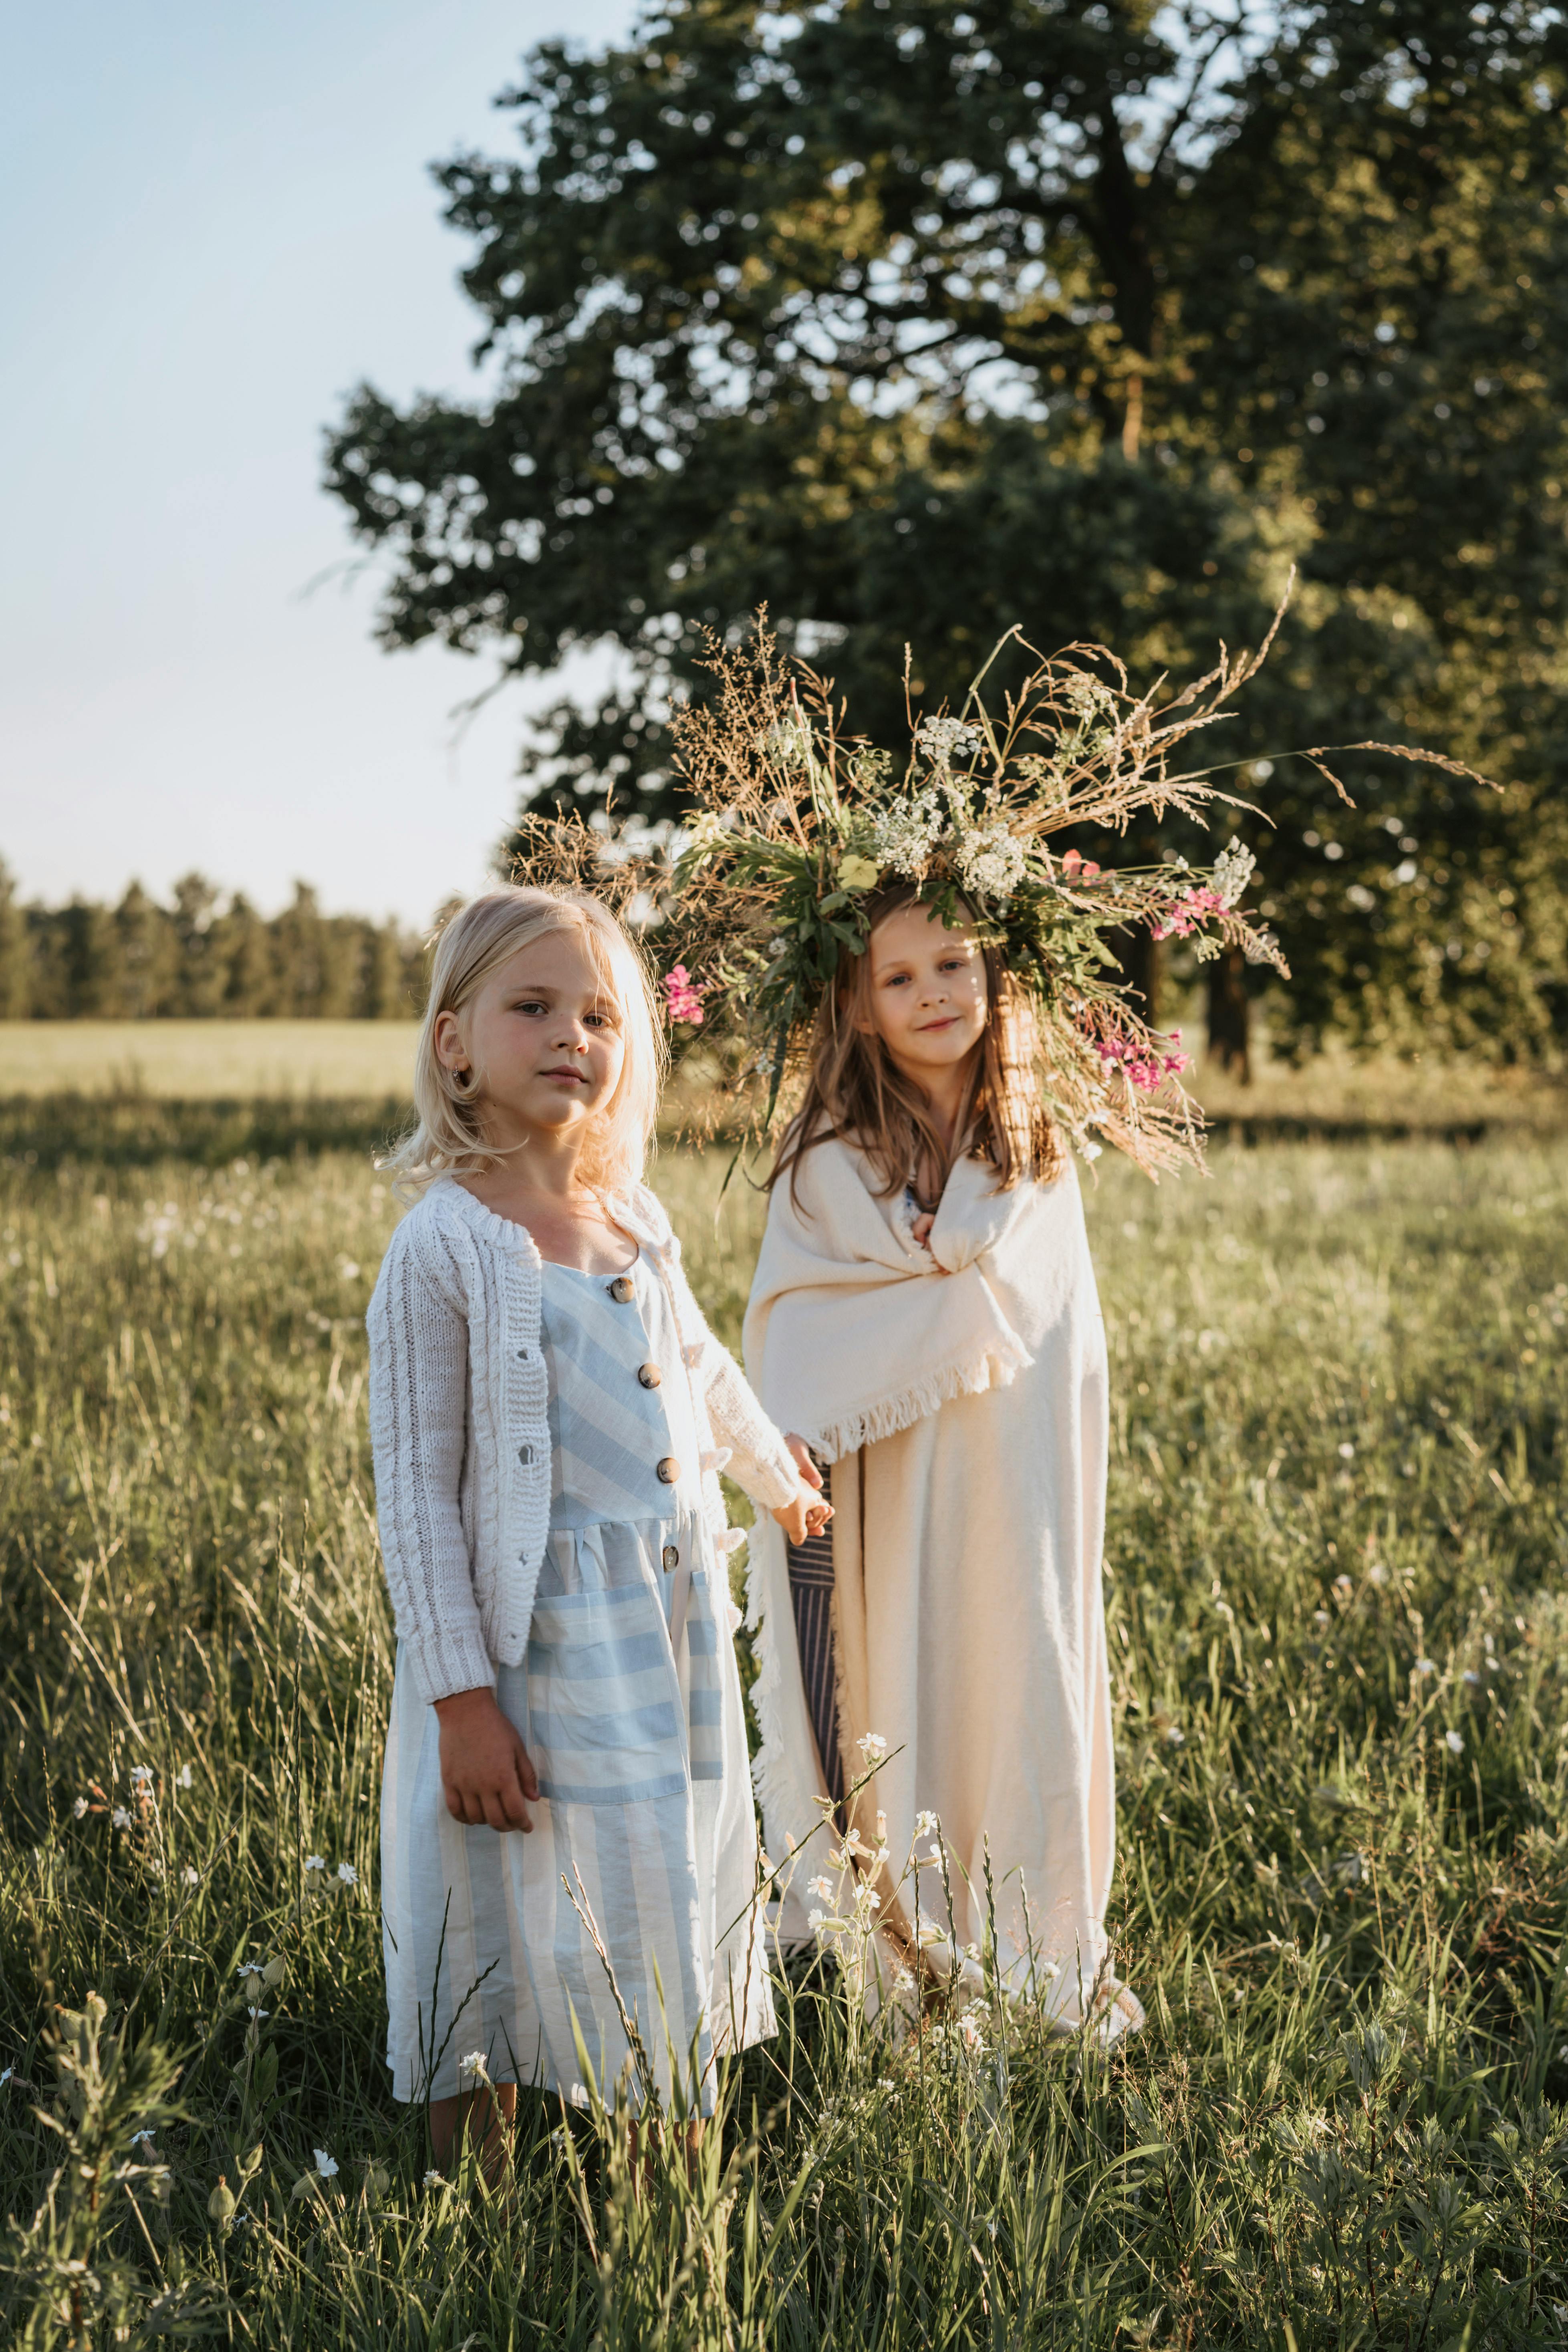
<point x="853" y="1090"/>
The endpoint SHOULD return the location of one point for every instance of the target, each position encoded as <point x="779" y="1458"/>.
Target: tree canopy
<point x="914" y="321"/>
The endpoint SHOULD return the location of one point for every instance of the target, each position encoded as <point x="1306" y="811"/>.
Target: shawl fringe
<point x="996" y="1367"/>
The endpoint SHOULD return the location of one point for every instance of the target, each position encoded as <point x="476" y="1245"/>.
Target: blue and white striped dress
<point x="629" y="1701"/>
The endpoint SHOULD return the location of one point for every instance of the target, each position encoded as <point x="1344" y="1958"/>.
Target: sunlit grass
<point x="1335" y="1581"/>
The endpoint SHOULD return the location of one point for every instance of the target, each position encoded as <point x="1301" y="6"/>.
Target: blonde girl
<point x="924" y="1311"/>
<point x="566" y="1755"/>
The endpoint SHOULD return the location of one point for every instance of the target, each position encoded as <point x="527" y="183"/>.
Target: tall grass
<point x="1334" y="1581"/>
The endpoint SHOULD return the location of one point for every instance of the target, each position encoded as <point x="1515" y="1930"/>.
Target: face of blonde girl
<point x="544" y="1033"/>
<point x="928" y="1001"/>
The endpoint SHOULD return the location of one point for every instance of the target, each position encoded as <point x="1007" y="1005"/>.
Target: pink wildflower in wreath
<point x="683" y="998"/>
<point x="1145" y="1070"/>
<point x="1188" y="914"/>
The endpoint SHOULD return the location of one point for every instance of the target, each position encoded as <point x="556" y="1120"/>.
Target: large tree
<point x="917" y="319"/>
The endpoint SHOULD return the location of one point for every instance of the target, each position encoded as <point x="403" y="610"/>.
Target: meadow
<point x="1336" y="1584"/>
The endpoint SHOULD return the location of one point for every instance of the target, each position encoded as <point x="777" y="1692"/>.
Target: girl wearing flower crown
<point x="924" y="1306"/>
<point x="566" y="1780"/>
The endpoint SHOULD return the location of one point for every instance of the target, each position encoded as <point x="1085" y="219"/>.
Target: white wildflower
<point x="182" y="1778"/>
<point x="968" y="2031"/>
<point x="815" y="1920"/>
<point x="78" y="1809"/>
<point x="926" y="1825"/>
<point x="475" y="2067"/>
<point x="1175" y="1736"/>
<point x="903" y="1982"/>
<point x="326" y="2166"/>
<point x="190" y="1876"/>
<point x="1347" y="1452"/>
<point x="945" y="739"/>
<point x="434" y="2180"/>
<point x="1472" y="1677"/>
<point x="256" y="2015"/>
<point x="1320" y="1617"/>
<point x="140" y="1775"/>
<point x="991" y="864"/>
<point x="1233" y="870"/>
<point x="1343" y="1584"/>
<point x="1425" y="1665"/>
<point x="348" y="1874"/>
<point x="1455" y="1740"/>
<point x="1377" y="1575"/>
<point x="120" y="1818"/>
<point x="906" y="832"/>
<point x="821" y="1884"/>
<point x="5" y="2077"/>
<point x="873" y="1747"/>
<point x="315" y="1862"/>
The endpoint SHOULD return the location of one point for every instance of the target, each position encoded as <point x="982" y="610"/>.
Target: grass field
<point x="1335" y="1585"/>
<point x="195" y="1061"/>
<point x="127" y="1072"/>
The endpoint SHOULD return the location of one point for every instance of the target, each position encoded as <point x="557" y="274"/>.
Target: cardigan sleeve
<point x="759" y="1461"/>
<point x="418" y="1416"/>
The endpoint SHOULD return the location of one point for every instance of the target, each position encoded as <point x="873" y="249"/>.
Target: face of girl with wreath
<point x="926" y="998"/>
<point x="542" y="1038"/>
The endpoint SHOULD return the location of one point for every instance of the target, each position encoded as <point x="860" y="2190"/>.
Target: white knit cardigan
<point x="461" y="1436"/>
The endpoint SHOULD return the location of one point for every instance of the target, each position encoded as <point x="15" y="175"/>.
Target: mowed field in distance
<point x="196" y="1061"/>
<point x="362" y="1061"/>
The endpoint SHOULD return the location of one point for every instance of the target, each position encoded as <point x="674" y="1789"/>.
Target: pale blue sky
<point x="213" y="220"/>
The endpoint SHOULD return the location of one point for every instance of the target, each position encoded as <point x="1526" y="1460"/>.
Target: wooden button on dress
<point x="670" y="1557"/>
<point x="668" y="1471"/>
<point x="621" y="1290"/>
<point x="649" y="1375"/>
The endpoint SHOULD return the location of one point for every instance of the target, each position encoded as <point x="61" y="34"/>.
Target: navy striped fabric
<point x="810" y="1592"/>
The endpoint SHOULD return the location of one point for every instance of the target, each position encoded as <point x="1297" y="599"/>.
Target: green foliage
<point x="198" y="958"/>
<point x="917" y="321"/>
<point x="1338" y="1451"/>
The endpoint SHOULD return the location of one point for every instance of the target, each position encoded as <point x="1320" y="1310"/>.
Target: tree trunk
<point x="1138" y="960"/>
<point x="1229" y="1014"/>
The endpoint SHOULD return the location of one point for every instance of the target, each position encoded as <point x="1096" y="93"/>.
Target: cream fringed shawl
<point x="959" y="1391"/>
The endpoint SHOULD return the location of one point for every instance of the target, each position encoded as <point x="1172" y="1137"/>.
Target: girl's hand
<point x="803" y="1516"/>
<point x="486" y="1773"/>
<point x="921" y="1228"/>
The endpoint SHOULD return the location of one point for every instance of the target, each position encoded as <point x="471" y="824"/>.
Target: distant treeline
<point x="204" y="957"/>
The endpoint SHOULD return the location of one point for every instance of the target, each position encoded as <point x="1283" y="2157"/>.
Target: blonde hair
<point x="449" y="1140"/>
<point x="853" y="1091"/>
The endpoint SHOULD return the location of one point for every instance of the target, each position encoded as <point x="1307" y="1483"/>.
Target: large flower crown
<point x="753" y="906"/>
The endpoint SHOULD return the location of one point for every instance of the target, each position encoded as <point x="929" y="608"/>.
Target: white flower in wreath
<point x="906" y="832"/>
<point x="943" y="739"/>
<point x="991" y="863"/>
<point x="1233" y="871"/>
